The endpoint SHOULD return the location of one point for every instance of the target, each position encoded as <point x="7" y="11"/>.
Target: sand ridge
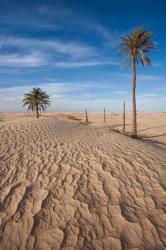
<point x="64" y="185"/>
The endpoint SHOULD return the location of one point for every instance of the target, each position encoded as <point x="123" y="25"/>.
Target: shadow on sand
<point x="154" y="143"/>
<point x="152" y="136"/>
<point x="151" y="128"/>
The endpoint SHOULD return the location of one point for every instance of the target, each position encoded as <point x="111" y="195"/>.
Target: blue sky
<point x="68" y="48"/>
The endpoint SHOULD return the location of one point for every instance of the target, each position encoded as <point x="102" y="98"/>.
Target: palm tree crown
<point x="37" y="100"/>
<point x="136" y="45"/>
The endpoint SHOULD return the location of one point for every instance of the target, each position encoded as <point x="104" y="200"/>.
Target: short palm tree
<point x="135" y="46"/>
<point x="37" y="100"/>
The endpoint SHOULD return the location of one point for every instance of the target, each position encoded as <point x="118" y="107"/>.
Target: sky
<point x="70" y="50"/>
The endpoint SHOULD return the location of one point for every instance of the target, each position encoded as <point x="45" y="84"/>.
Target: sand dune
<point x="151" y="125"/>
<point x="65" y="185"/>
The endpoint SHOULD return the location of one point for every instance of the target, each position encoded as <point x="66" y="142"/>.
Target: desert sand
<point x="68" y="185"/>
<point x="151" y="125"/>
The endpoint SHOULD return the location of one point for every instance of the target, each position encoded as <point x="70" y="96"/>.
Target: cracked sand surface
<point x="64" y="185"/>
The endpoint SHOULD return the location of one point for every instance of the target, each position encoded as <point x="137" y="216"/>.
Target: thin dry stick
<point x="104" y="115"/>
<point x="86" y="115"/>
<point x="124" y="116"/>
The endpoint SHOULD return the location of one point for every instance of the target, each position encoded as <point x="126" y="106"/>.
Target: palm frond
<point x="36" y="99"/>
<point x="137" y="44"/>
<point x="124" y="61"/>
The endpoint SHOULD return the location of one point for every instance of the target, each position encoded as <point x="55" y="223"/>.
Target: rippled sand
<point x="65" y="185"/>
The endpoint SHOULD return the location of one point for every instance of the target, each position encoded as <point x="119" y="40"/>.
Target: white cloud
<point x="111" y="38"/>
<point x="61" y="54"/>
<point x="119" y="92"/>
<point x="63" y="99"/>
<point x="16" y="60"/>
<point x="73" y="21"/>
<point x="152" y="104"/>
<point x="61" y="94"/>
<point x="148" y="78"/>
<point x="54" y="87"/>
<point x="82" y="64"/>
<point x="147" y="95"/>
<point x="73" y="49"/>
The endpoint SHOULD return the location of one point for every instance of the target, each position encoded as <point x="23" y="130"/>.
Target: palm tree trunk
<point x="37" y="111"/>
<point x="134" y="110"/>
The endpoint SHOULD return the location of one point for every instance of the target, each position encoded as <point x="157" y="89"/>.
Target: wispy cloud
<point x="120" y="92"/>
<point x="147" y="95"/>
<point x="149" y="78"/>
<point x="69" y="96"/>
<point x="78" y="64"/>
<point x="70" y="48"/>
<point x="70" y="20"/>
<point x="62" y="52"/>
<point x="156" y="64"/>
<point x="152" y="104"/>
<point x="55" y="87"/>
<point x="61" y="95"/>
<point x="52" y="52"/>
<point x="111" y="38"/>
<point x="16" y="60"/>
<point x="141" y="78"/>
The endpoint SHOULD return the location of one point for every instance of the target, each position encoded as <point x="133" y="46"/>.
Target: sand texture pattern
<point x="65" y="185"/>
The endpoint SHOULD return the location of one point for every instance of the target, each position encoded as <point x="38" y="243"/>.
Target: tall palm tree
<point x="135" y="46"/>
<point x="37" y="100"/>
